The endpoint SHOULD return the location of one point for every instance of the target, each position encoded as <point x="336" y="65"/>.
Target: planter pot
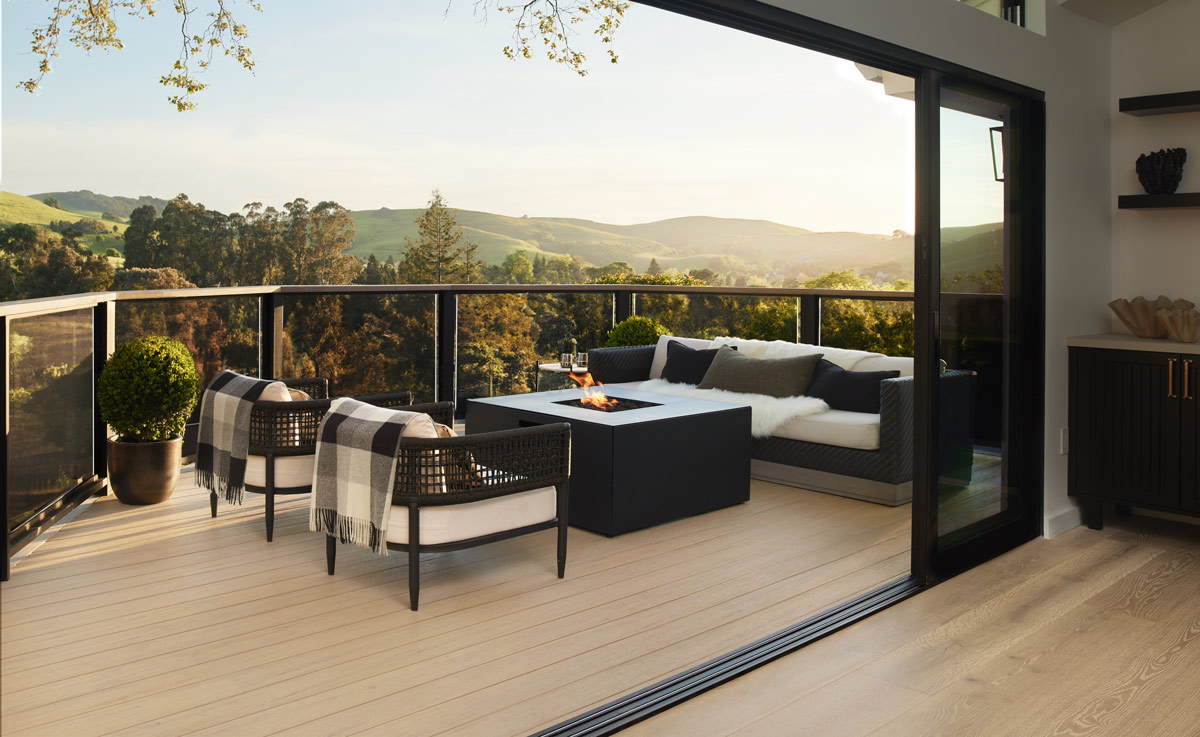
<point x="144" y="473"/>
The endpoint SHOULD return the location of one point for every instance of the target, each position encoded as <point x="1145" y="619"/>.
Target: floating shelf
<point x="1147" y="201"/>
<point x="1175" y="102"/>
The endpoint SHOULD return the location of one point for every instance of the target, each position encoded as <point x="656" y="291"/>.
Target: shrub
<point x="148" y="388"/>
<point x="636" y="330"/>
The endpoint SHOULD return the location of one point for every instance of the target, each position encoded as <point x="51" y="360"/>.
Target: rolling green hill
<point x="93" y="205"/>
<point x="681" y="243"/>
<point x="15" y="208"/>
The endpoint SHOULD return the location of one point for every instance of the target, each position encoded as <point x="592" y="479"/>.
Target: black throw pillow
<point x="851" y="391"/>
<point x="687" y="365"/>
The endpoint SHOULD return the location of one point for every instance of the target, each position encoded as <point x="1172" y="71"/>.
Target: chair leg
<point x="414" y="556"/>
<point x="562" y="531"/>
<point x="212" y="502"/>
<point x="330" y="552"/>
<point x="269" y="504"/>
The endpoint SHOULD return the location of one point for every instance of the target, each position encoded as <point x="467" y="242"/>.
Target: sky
<point x="377" y="103"/>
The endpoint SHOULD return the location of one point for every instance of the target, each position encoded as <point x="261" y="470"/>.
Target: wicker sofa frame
<point x="283" y="429"/>
<point x="459" y="470"/>
<point x="883" y="475"/>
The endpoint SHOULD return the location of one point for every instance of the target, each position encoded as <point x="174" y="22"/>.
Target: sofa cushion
<point x="660" y="351"/>
<point x="686" y="365"/>
<point x="852" y="391"/>
<point x="844" y="357"/>
<point x="455" y="522"/>
<point x="858" y="430"/>
<point x="885" y="363"/>
<point x="776" y="377"/>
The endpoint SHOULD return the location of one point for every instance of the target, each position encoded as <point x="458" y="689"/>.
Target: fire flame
<point x="592" y="393"/>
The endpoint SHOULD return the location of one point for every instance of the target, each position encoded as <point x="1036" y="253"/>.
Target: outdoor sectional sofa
<point x="861" y="455"/>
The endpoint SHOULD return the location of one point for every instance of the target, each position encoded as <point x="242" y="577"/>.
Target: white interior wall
<point x="1155" y="251"/>
<point x="1071" y="64"/>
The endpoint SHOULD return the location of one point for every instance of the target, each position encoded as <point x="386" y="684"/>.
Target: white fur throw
<point x="767" y="413"/>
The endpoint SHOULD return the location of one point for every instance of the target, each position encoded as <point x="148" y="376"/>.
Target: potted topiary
<point x="636" y="330"/>
<point x="146" y="391"/>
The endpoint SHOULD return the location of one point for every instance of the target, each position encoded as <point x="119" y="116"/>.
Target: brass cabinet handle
<point x="1187" y="379"/>
<point x="1171" y="378"/>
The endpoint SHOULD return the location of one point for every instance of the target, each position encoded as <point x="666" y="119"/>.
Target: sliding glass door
<point x="979" y="483"/>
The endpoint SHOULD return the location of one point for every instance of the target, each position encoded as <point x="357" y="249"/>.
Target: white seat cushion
<point x="290" y="471"/>
<point x="455" y="522"/>
<point x="835" y="427"/>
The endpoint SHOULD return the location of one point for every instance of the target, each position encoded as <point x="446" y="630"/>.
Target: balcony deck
<point x="162" y="621"/>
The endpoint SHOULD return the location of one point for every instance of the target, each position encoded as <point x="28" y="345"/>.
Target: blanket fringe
<point x="232" y="494"/>
<point x="359" y="532"/>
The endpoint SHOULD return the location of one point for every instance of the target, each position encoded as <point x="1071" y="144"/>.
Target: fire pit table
<point x="650" y="459"/>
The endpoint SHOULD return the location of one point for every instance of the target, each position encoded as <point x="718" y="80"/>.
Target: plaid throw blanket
<point x="354" y="472"/>
<point x="224" y="440"/>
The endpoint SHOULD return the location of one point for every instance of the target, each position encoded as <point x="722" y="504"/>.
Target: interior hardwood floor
<point x="1091" y="633"/>
<point x="162" y="621"/>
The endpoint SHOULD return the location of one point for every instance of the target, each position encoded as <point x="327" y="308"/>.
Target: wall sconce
<point x="997" y="164"/>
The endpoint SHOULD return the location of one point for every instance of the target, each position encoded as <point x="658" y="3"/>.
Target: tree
<point x="517" y="268"/>
<point x="551" y="21"/>
<point x="53" y="202"/>
<point x="441" y="254"/>
<point x="94" y="25"/>
<point x="653" y="269"/>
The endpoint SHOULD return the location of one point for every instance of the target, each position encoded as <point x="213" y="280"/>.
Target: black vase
<point x="1161" y="171"/>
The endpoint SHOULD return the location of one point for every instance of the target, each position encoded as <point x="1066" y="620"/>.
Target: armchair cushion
<point x="291" y="472"/>
<point x="453" y="523"/>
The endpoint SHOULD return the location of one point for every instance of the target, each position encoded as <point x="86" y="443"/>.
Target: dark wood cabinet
<point x="1134" y="430"/>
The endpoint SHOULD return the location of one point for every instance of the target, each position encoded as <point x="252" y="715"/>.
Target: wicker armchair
<point x="283" y="438"/>
<point x="453" y="493"/>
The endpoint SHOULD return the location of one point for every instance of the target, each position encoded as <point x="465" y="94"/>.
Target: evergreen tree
<point x="441" y="254"/>
<point x="653" y="269"/>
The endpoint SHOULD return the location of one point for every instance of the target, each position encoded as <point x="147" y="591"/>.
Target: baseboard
<point x="1057" y="524"/>
<point x="879" y="492"/>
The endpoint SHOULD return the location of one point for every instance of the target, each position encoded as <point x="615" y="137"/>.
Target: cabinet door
<point x="1189" y="434"/>
<point x="1125" y="426"/>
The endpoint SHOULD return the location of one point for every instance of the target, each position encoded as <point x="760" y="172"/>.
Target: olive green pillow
<point x="776" y="377"/>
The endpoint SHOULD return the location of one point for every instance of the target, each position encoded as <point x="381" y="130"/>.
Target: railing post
<point x="445" y="388"/>
<point x="4" y="572"/>
<point x="810" y="319"/>
<point x="270" y="335"/>
<point x="622" y="306"/>
<point x="104" y="339"/>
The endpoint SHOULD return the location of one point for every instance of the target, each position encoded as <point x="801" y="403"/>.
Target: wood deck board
<point x="198" y="626"/>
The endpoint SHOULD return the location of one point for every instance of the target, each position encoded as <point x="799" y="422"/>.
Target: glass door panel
<point x="985" y="482"/>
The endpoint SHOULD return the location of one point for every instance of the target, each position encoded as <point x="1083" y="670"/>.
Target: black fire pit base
<point x="675" y="458"/>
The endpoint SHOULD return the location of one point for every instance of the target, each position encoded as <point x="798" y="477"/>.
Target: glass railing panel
<point x="50" y="409"/>
<point x="880" y="326"/>
<point x="712" y="316"/>
<point x="220" y="332"/>
<point x="503" y="337"/>
<point x="362" y="343"/>
<point x="561" y="318"/>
